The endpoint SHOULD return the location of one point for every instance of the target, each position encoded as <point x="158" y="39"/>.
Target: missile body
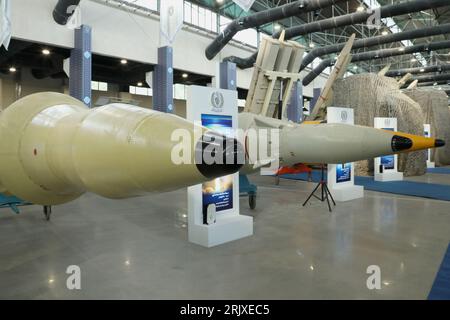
<point x="324" y="143"/>
<point x="53" y="149"/>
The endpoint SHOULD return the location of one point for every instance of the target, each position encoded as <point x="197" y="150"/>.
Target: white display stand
<point x="389" y="163"/>
<point x="211" y="103"/>
<point x="427" y="133"/>
<point x="341" y="177"/>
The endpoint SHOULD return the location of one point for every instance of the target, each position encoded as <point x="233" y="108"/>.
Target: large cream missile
<point x="320" y="142"/>
<point x="53" y="149"/>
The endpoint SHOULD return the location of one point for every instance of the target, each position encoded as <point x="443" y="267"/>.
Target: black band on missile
<point x="231" y="151"/>
<point x="400" y="143"/>
<point x="439" y="143"/>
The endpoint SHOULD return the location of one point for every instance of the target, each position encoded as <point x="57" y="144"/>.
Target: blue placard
<point x="388" y="162"/>
<point x="218" y="191"/>
<point x="343" y="172"/>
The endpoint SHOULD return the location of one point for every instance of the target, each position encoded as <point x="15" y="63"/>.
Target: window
<point x="149" y="4"/>
<point x="200" y="17"/>
<point x="141" y="91"/>
<point x="179" y="91"/>
<point x="99" y="86"/>
<point x="187" y="12"/>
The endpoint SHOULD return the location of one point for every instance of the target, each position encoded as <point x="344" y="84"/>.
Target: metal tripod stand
<point x="325" y="192"/>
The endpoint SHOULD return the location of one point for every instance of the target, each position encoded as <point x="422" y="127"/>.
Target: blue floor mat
<point x="441" y="285"/>
<point x="304" y="176"/>
<point x="409" y="188"/>
<point x="439" y="170"/>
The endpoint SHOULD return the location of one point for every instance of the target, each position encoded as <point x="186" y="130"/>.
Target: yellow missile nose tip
<point x="439" y="143"/>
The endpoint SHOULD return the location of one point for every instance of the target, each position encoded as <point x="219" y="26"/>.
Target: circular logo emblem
<point x="217" y="101"/>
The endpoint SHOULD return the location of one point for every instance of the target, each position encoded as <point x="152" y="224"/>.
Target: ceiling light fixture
<point x="384" y="33"/>
<point x="360" y="8"/>
<point x="123" y="61"/>
<point x="139" y="84"/>
<point x="45" y="52"/>
<point x="12" y="69"/>
<point x="184" y="75"/>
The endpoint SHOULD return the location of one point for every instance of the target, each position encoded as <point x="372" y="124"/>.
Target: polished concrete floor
<point x="138" y="249"/>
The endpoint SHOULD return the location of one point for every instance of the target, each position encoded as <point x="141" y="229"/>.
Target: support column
<point x="228" y="81"/>
<point x="227" y="76"/>
<point x="295" y="106"/>
<point x="316" y="96"/>
<point x="163" y="81"/>
<point x="81" y="66"/>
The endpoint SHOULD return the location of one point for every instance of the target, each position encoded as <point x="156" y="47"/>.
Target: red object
<point x="297" y="168"/>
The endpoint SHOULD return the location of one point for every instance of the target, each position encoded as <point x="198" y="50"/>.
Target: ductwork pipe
<point x="375" y="41"/>
<point x="377" y="54"/>
<point x="348" y="19"/>
<point x="64" y="9"/>
<point x="432" y="78"/>
<point x="402" y="72"/>
<point x="243" y="63"/>
<point x="364" y="16"/>
<point x="434" y="83"/>
<point x="263" y="17"/>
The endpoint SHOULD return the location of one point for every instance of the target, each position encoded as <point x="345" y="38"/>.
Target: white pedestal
<point x="225" y="229"/>
<point x="204" y="104"/>
<point x="389" y="162"/>
<point x="341" y="178"/>
<point x="427" y="133"/>
<point x="347" y="193"/>
<point x="388" y="176"/>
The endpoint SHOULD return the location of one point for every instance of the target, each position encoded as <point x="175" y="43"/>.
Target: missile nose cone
<point x="400" y="143"/>
<point x="217" y="155"/>
<point x="439" y="143"/>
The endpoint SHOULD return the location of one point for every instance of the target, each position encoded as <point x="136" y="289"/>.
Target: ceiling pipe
<point x="377" y="54"/>
<point x="263" y="17"/>
<point x="434" y="83"/>
<point x="375" y="41"/>
<point x="345" y="20"/>
<point x="432" y="78"/>
<point x="428" y="69"/>
<point x="64" y="9"/>
<point x="364" y="16"/>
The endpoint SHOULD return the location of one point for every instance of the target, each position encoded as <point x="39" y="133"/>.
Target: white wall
<point x="119" y="33"/>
